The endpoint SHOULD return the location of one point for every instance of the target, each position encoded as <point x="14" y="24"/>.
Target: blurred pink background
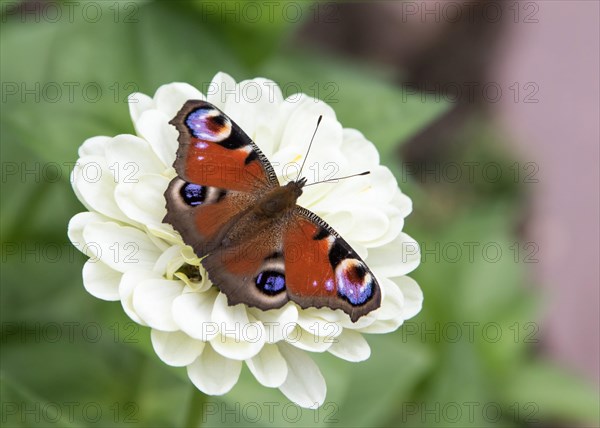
<point x="561" y="134"/>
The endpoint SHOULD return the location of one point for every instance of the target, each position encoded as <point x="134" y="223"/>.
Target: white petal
<point x="255" y="103"/>
<point x="220" y="88"/>
<point x="129" y="281"/>
<point x="193" y="314"/>
<point x="238" y="349"/>
<point x="396" y="223"/>
<point x="100" y="280"/>
<point x="143" y="200"/>
<point x="176" y="348"/>
<point x="392" y="302"/>
<point x="153" y="301"/>
<point x="373" y="190"/>
<point x="165" y="233"/>
<point x="154" y="127"/>
<point x="298" y="133"/>
<point x="171" y="97"/>
<point x="95" y="146"/>
<point x="361" y="323"/>
<point x="413" y="296"/>
<point x="302" y="339"/>
<point x="304" y="384"/>
<point x="341" y="221"/>
<point x="169" y="261"/>
<point x="351" y="346"/>
<point x="95" y="186"/>
<point x="214" y="374"/>
<point x="269" y="367"/>
<point x="402" y="202"/>
<point x="75" y="231"/>
<point x="368" y="224"/>
<point x="313" y="320"/>
<point x="122" y="248"/>
<point x="360" y="152"/>
<point x="230" y="318"/>
<point x="128" y="157"/>
<point x="397" y="258"/>
<point x="270" y="103"/>
<point x="382" y="185"/>
<point x="383" y="326"/>
<point x="138" y="104"/>
<point x="238" y="338"/>
<point x="277" y="322"/>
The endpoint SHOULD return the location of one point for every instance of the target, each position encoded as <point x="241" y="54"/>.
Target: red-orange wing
<point x="214" y="151"/>
<point x="321" y="269"/>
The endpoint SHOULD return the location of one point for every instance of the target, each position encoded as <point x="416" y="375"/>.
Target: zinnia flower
<point x="142" y="262"/>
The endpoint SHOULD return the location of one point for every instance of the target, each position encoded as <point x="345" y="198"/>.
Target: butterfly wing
<point x="322" y="269"/>
<point x="251" y="269"/>
<point x="214" y="151"/>
<point x="221" y="173"/>
<point x="296" y="257"/>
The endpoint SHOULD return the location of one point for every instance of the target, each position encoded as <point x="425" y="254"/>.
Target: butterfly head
<point x="298" y="184"/>
<point x="294" y="188"/>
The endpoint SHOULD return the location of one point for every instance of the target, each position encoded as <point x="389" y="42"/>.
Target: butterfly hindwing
<point x="203" y="214"/>
<point x="214" y="151"/>
<point x="250" y="268"/>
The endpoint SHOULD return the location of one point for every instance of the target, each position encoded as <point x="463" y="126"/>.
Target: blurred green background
<point x="472" y="357"/>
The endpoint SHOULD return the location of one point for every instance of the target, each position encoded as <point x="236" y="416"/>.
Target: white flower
<point x="137" y="259"/>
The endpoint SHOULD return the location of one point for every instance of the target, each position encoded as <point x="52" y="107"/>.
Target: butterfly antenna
<point x="339" y="178"/>
<point x="309" y="146"/>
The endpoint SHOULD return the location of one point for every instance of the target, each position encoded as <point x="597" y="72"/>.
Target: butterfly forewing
<point x="214" y="151"/>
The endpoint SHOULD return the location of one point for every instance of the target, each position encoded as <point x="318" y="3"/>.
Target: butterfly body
<point x="280" y="199"/>
<point x="257" y="245"/>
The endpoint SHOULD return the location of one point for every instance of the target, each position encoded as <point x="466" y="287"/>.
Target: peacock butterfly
<point x="257" y="245"/>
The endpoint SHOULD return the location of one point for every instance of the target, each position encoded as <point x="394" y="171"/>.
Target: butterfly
<point x="257" y="245"/>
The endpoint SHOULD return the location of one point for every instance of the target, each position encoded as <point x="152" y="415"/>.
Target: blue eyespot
<point x="207" y="124"/>
<point x="356" y="294"/>
<point x="193" y="194"/>
<point x="354" y="283"/>
<point x="270" y="282"/>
